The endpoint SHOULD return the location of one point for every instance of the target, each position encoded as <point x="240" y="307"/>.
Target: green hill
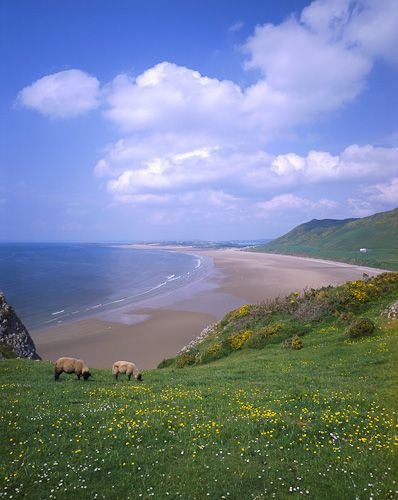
<point x="342" y="240"/>
<point x="250" y="415"/>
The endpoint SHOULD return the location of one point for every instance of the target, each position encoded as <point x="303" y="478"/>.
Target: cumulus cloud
<point x="355" y="162"/>
<point x="368" y="26"/>
<point x="62" y="95"/>
<point x="320" y="60"/>
<point x="284" y="201"/>
<point x="230" y="186"/>
<point x="138" y="148"/>
<point x="386" y="193"/>
<point x="170" y="172"/>
<point x="237" y="172"/>
<point x="314" y="74"/>
<point x="194" y="140"/>
<point x="146" y="199"/>
<point x="288" y="201"/>
<point x="171" y="98"/>
<point x="307" y="65"/>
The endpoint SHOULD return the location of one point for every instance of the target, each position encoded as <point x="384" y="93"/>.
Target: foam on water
<point x="50" y="284"/>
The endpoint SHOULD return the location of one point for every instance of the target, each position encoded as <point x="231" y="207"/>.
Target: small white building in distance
<point x="363" y="250"/>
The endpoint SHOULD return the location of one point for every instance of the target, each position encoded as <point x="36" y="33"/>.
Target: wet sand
<point x="158" y="329"/>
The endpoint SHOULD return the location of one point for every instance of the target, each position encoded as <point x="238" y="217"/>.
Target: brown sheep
<point x="126" y="367"/>
<point x="71" y="365"/>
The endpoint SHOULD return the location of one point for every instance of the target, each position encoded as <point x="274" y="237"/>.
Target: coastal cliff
<point x="13" y="334"/>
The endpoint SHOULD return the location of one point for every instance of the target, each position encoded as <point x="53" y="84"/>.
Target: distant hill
<point x="205" y="244"/>
<point x="343" y="240"/>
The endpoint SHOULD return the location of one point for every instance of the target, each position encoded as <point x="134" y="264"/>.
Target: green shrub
<point x="166" y="363"/>
<point x="6" y="351"/>
<point x="257" y="341"/>
<point x="185" y="359"/>
<point x="294" y="342"/>
<point x="262" y="337"/>
<point x="313" y="308"/>
<point x="360" y="327"/>
<point x="346" y="317"/>
<point x="214" y="352"/>
<point x="291" y="329"/>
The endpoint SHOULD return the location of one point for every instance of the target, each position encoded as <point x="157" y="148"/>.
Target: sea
<point x="49" y="284"/>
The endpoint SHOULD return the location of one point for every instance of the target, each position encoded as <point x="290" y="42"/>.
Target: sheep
<point x="126" y="367"/>
<point x="71" y="365"/>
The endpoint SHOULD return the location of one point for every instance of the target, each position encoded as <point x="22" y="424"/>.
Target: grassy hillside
<point x="342" y="239"/>
<point x="260" y="422"/>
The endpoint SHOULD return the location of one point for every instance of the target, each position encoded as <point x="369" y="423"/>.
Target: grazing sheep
<point x="126" y="367"/>
<point x="71" y="365"/>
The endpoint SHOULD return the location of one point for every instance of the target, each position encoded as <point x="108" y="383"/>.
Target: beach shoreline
<point x="158" y="328"/>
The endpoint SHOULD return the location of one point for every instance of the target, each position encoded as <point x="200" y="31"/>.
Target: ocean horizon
<point x="54" y="283"/>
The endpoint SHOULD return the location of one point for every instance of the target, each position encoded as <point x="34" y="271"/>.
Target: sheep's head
<point x="86" y="375"/>
<point x="139" y="377"/>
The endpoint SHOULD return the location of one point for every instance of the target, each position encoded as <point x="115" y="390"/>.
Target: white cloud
<point x="308" y="65"/>
<point x="288" y="206"/>
<point x="234" y="28"/>
<point x="199" y="142"/>
<point x="170" y="172"/>
<point x="285" y="164"/>
<point x="368" y="162"/>
<point x="360" y="207"/>
<point x="289" y="201"/>
<point x="146" y="199"/>
<point x="318" y="62"/>
<point x="241" y="177"/>
<point x="355" y="162"/>
<point x="315" y="74"/>
<point x="284" y="202"/>
<point x="374" y="28"/>
<point x="170" y="98"/>
<point x="62" y="95"/>
<point x="137" y="149"/>
<point x="368" y="26"/>
<point x="312" y="64"/>
<point x="386" y="193"/>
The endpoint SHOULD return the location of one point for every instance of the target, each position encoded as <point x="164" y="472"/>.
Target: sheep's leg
<point x="57" y="374"/>
<point x="116" y="376"/>
<point x="129" y="376"/>
<point x="78" y="376"/>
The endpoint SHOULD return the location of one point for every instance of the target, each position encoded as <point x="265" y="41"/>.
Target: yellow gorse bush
<point x="361" y="291"/>
<point x="237" y="341"/>
<point x="214" y="348"/>
<point x="185" y="359"/>
<point x="328" y="329"/>
<point x="297" y="343"/>
<point x="271" y="329"/>
<point x="241" y="311"/>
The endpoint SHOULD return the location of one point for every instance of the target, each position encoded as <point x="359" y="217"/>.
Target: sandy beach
<point x="159" y="328"/>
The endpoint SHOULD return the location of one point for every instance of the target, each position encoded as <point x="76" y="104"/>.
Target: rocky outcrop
<point x="392" y="311"/>
<point x="208" y="330"/>
<point x="13" y="333"/>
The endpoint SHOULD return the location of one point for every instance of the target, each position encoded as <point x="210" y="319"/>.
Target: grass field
<point x="319" y="422"/>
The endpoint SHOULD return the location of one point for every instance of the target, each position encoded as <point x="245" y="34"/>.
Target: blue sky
<point x="194" y="119"/>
